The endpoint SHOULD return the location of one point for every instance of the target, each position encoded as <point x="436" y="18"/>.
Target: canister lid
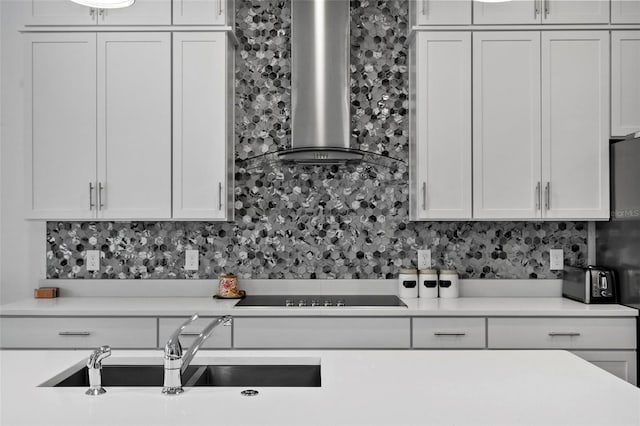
<point x="428" y="271"/>
<point x="227" y="275"/>
<point x="448" y="272"/>
<point x="408" y="271"/>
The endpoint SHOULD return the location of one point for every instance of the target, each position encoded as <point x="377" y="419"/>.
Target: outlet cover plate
<point x="93" y="260"/>
<point x="556" y="259"/>
<point x="191" y="260"/>
<point x="424" y="259"/>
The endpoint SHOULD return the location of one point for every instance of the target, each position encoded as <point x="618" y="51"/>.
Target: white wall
<point x="22" y="245"/>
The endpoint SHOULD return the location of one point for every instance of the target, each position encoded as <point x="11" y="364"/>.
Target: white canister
<point x="428" y="283"/>
<point x="448" y="285"/>
<point x="408" y="283"/>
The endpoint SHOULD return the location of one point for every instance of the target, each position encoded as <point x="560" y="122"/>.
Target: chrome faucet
<point x="94" y="367"/>
<point x="176" y="361"/>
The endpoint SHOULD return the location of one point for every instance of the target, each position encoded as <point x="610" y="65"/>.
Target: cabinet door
<point x="575" y="11"/>
<point x="506" y="125"/>
<point x="199" y="12"/>
<point x="575" y="123"/>
<point x="141" y="12"/>
<point x="58" y="12"/>
<point x="200" y="120"/>
<point x="442" y="12"/>
<point x="625" y="11"/>
<point x="625" y="83"/>
<point x="507" y="12"/>
<point x="618" y="363"/>
<point x="60" y="131"/>
<point x="443" y="125"/>
<point x="134" y="125"/>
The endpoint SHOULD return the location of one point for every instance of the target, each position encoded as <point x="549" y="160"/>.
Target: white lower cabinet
<point x="618" y="363"/>
<point x="449" y="333"/>
<point x="220" y="339"/>
<point x="327" y="333"/>
<point x="609" y="343"/>
<point x="77" y="332"/>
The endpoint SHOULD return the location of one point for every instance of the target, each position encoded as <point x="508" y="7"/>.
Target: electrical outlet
<point x="93" y="260"/>
<point x="424" y="259"/>
<point x="191" y="260"/>
<point x="556" y="259"/>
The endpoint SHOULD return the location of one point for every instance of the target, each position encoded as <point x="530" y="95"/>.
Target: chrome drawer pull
<point x="555" y="334"/>
<point x="439" y="333"/>
<point x="74" y="333"/>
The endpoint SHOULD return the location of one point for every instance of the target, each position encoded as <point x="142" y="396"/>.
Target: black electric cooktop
<point x="321" y="301"/>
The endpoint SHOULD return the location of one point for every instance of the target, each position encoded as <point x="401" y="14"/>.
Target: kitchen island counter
<point x="358" y="388"/>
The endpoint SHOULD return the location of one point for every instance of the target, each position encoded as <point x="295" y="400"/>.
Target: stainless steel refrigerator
<point x="618" y="240"/>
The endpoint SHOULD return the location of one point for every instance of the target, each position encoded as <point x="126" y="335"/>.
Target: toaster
<point x="590" y="284"/>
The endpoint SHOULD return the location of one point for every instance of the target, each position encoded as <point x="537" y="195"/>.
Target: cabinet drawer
<point x="562" y="333"/>
<point x="296" y="332"/>
<point x="449" y="333"/>
<point x="78" y="332"/>
<point x="221" y="337"/>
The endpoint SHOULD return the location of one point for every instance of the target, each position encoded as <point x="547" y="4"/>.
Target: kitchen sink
<point x="246" y="373"/>
<point x="256" y="375"/>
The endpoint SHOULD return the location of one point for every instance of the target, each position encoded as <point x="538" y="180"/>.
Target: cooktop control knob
<point x="302" y="302"/>
<point x="327" y="303"/>
<point x="315" y="302"/>
<point x="288" y="302"/>
<point x="340" y="302"/>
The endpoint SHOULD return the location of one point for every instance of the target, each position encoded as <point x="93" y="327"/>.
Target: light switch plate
<point x="191" y="260"/>
<point x="424" y="259"/>
<point x="556" y="258"/>
<point x="93" y="260"/>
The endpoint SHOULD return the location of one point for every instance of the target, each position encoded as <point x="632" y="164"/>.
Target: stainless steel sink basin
<point x="256" y="375"/>
<point x="245" y="373"/>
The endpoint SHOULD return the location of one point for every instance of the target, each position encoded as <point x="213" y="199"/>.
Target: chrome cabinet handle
<point x="219" y="195"/>
<point x="100" y="203"/>
<point x="92" y="13"/>
<point x="425" y="7"/>
<point x="424" y="195"/>
<point x="440" y="333"/>
<point x="547" y="196"/>
<point x="557" y="334"/>
<point x="538" y="196"/>
<point x="219" y="7"/>
<point x="91" y="203"/>
<point x="536" y="11"/>
<point x="546" y="8"/>
<point x="74" y="333"/>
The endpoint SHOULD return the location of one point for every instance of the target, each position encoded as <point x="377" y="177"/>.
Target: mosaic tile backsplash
<point x="315" y="222"/>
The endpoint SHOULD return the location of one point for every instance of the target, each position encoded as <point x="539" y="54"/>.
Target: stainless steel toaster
<point x="590" y="284"/>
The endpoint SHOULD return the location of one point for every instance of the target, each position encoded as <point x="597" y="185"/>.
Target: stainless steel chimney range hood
<point x="320" y="91"/>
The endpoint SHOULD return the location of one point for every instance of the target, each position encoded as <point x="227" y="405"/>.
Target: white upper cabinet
<point x="508" y="12"/>
<point x="65" y="12"/>
<point x="442" y="143"/>
<point x="625" y="83"/>
<point x="441" y="12"/>
<point x="575" y="123"/>
<point x="202" y="12"/>
<point x="517" y="12"/>
<point x="60" y="131"/>
<point x="134" y="125"/>
<point x="506" y="125"/>
<point x="98" y="126"/>
<point x="202" y="132"/>
<point x="625" y="11"/>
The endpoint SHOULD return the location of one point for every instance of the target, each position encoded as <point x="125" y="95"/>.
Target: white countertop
<point x="370" y="388"/>
<point x="207" y="306"/>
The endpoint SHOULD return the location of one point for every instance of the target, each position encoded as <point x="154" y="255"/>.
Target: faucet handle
<point x="173" y="348"/>
<point x="96" y="357"/>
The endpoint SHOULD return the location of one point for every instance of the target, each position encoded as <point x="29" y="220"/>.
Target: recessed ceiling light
<point x="105" y="4"/>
